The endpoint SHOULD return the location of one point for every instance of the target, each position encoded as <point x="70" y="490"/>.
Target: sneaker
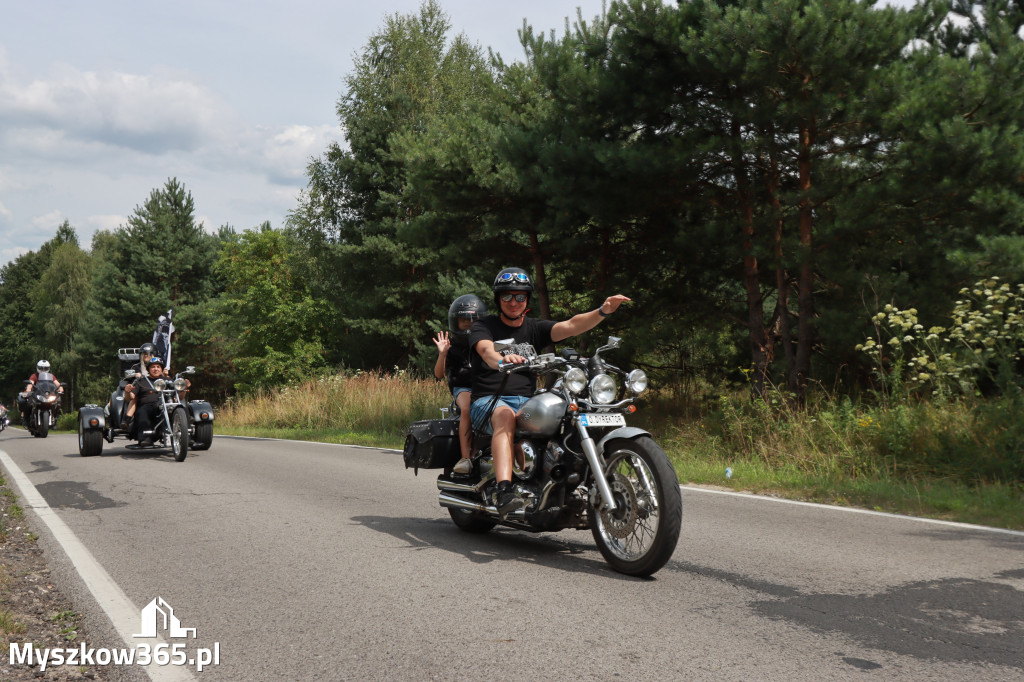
<point x="463" y="467"/>
<point x="507" y="501"/>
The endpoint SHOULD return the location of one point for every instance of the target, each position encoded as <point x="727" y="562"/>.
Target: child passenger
<point x="453" y="364"/>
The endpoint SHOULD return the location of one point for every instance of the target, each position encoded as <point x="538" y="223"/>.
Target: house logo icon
<point x="158" y="616"/>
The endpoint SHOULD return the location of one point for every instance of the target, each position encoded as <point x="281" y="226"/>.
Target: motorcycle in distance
<point x="179" y="424"/>
<point x="43" y="404"/>
<point x="5" y="421"/>
<point x="576" y="463"/>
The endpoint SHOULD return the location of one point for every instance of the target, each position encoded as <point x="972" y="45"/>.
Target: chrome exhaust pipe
<point x="459" y="503"/>
<point x="451" y="486"/>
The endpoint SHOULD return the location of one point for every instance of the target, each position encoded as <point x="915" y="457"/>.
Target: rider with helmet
<point x="42" y="371"/>
<point x="148" y="399"/>
<point x="512" y="288"/>
<point x="453" y="364"/>
<point x="146" y="352"/>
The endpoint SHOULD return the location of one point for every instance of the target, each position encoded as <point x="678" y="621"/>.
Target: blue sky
<point x="102" y="101"/>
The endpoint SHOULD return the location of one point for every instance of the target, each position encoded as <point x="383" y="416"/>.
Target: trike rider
<point x="512" y="289"/>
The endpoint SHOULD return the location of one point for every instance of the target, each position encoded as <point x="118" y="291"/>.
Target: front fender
<point x="628" y="432"/>
<point x="87" y="414"/>
<point x="198" y="408"/>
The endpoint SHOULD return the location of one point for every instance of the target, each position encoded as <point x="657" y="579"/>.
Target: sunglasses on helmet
<point x="509" y="276"/>
<point x="520" y="298"/>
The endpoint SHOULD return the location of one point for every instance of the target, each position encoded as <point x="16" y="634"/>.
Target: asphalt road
<point x="319" y="562"/>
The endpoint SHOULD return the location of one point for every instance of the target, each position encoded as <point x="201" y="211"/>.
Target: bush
<point x="67" y="421"/>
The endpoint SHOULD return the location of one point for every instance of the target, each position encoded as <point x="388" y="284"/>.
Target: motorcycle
<point x="4" y="419"/>
<point x="576" y="463"/>
<point x="178" y="425"/>
<point x="42" y="405"/>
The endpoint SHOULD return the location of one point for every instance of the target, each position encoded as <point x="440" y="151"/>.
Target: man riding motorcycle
<point x="42" y="368"/>
<point x="512" y="288"/>
<point x="148" y="398"/>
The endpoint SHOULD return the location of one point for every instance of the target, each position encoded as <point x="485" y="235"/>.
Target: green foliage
<point x="980" y="350"/>
<point x="354" y="213"/>
<point x="161" y="259"/>
<point x="270" y="311"/>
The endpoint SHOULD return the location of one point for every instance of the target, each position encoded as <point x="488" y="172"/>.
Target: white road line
<point x="853" y="510"/>
<point x="123" y="614"/>
<point x="748" y="496"/>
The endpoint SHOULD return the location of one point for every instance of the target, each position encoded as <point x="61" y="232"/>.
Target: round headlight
<point x="636" y="381"/>
<point x="159" y="384"/>
<point x="575" y="380"/>
<point x="180" y="384"/>
<point x="602" y="389"/>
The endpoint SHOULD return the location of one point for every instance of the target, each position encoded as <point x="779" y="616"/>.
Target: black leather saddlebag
<point x="432" y="444"/>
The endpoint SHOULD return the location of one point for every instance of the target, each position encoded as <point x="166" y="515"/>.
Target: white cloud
<point x="48" y="222"/>
<point x="286" y="152"/>
<point x="7" y="255"/>
<point x="5" y="214"/>
<point x="151" y="113"/>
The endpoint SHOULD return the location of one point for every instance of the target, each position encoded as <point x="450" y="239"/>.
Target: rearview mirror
<point x="614" y="341"/>
<point x="503" y="344"/>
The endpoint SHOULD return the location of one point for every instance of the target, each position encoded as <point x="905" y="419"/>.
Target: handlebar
<point x="536" y="364"/>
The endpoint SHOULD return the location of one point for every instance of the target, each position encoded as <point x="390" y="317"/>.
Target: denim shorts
<point x="458" y="390"/>
<point x="479" y="408"/>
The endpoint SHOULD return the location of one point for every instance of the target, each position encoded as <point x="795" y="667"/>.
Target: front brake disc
<point x="620" y="522"/>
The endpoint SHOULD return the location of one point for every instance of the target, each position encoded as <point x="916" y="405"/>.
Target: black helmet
<point x="154" y="361"/>
<point x="147" y="349"/>
<point x="512" y="279"/>
<point x="466" y="307"/>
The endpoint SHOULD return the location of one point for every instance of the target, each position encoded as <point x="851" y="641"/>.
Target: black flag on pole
<point x="162" y="337"/>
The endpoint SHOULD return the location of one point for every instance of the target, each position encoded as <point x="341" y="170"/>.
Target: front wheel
<point x="179" y="434"/>
<point x="43" y="425"/>
<point x="639" y="537"/>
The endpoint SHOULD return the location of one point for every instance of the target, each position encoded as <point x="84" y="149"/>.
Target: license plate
<point x="602" y="420"/>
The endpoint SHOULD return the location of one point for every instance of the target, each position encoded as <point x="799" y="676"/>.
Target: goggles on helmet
<point x="518" y="276"/>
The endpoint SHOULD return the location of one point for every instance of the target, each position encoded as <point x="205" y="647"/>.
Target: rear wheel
<point x="179" y="434"/>
<point x="469" y="521"/>
<point x="203" y="437"/>
<point x="640" y="535"/>
<point x="90" y="441"/>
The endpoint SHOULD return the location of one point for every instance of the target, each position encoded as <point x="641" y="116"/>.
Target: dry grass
<point x="367" y="402"/>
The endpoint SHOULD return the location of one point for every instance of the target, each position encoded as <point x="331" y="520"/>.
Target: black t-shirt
<point x="146" y="391"/>
<point x="457" y="369"/>
<point x="487" y="381"/>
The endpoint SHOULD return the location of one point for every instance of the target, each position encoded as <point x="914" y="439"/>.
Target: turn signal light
<point x="631" y="409"/>
<point x="573" y="407"/>
<point x="204" y="415"/>
<point x="94" y="422"/>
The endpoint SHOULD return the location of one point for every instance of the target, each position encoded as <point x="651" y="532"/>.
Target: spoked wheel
<point x="179" y="434"/>
<point x="90" y="442"/>
<point x="640" y="535"/>
<point x="469" y="521"/>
